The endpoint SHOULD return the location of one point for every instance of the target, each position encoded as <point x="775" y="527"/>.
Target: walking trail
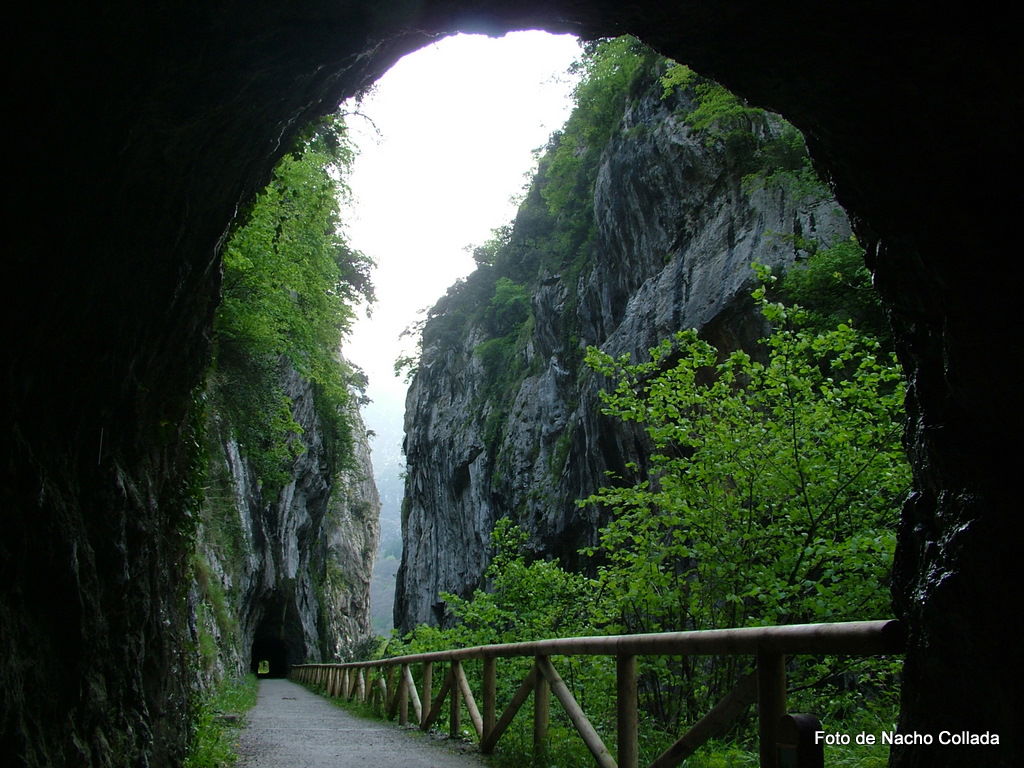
<point x="292" y="728"/>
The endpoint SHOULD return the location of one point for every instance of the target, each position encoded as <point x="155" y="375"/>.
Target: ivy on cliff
<point x="290" y="283"/>
<point x="552" y="234"/>
<point x="608" y="69"/>
<point x="769" y="151"/>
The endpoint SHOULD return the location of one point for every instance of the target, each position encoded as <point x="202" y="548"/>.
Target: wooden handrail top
<point x="860" y="638"/>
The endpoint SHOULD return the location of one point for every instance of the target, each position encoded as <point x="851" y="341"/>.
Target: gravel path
<point x="292" y="728"/>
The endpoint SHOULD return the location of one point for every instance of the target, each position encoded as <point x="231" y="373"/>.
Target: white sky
<point x="457" y="123"/>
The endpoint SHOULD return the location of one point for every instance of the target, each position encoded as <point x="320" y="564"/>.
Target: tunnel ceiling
<point x="140" y="130"/>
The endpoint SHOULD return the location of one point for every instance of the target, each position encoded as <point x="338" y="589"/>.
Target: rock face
<point x="295" y="568"/>
<point x="137" y="134"/>
<point x="675" y="235"/>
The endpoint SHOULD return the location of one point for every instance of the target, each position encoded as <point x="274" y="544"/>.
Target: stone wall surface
<point x="291" y="567"/>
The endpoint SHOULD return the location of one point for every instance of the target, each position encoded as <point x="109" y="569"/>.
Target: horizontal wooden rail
<point x="396" y="688"/>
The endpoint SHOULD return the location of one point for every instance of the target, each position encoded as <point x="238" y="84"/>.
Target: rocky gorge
<point x="284" y="576"/>
<point x="672" y="227"/>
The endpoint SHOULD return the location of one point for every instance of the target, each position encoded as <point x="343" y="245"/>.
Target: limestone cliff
<point x="503" y="419"/>
<point x="285" y="579"/>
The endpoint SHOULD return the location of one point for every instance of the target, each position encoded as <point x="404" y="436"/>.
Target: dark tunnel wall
<point x="139" y="130"/>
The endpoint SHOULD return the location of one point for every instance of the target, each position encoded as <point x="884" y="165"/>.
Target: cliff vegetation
<point x="287" y="513"/>
<point x="644" y="217"/>
<point x="665" y="400"/>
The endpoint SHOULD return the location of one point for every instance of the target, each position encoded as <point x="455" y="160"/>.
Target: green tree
<point x="774" y="486"/>
<point x="290" y="285"/>
<point x="508" y="308"/>
<point x="525" y="600"/>
<point x="834" y="286"/>
<point x="772" y="492"/>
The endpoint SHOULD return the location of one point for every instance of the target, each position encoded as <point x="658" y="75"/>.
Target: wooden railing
<point x="390" y="682"/>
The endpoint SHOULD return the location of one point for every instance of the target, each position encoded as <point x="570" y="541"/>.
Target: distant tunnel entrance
<point x="279" y="640"/>
<point x="269" y="656"/>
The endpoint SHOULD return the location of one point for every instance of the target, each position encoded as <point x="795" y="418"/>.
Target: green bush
<point x="217" y="720"/>
<point x="290" y="285"/>
<point x="834" y="286"/>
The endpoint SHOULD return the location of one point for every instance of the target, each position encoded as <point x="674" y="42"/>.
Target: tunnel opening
<point x="269" y="656"/>
<point x="279" y="641"/>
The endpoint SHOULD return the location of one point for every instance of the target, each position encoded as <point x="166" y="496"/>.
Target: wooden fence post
<point x="489" y="694"/>
<point x="437" y="702"/>
<point x="412" y="694"/>
<point x="771" y="704"/>
<point x="576" y="714"/>
<point x="468" y="699"/>
<point x="488" y="743"/>
<point x="626" y="710"/>
<point x="541" y="709"/>
<point x="428" y="690"/>
<point x="382" y="685"/>
<point x="455" y="717"/>
<point x="403" y="695"/>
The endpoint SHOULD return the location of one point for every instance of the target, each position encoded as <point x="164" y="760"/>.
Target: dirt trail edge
<point x="292" y="728"/>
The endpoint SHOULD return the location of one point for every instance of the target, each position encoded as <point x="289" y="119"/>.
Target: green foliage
<point x="720" y="112"/>
<point x="212" y="594"/>
<point x="218" y="717"/>
<point x="608" y="69"/>
<point x="508" y="308"/>
<point x="508" y="316"/>
<point x="525" y="600"/>
<point x="222" y="527"/>
<point x="487" y="255"/>
<point x="771" y="152"/>
<point x="290" y="282"/>
<point x="792" y="467"/>
<point x="834" y="286"/>
<point x="497" y="356"/>
<point x="560" y="454"/>
<point x="772" y="494"/>
<point x="676" y="77"/>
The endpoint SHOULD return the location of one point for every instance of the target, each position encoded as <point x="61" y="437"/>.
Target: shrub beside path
<point x="292" y="728"/>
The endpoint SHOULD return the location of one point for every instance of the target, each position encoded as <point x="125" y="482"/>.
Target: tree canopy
<point x="773" y="487"/>
<point x="291" y="282"/>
